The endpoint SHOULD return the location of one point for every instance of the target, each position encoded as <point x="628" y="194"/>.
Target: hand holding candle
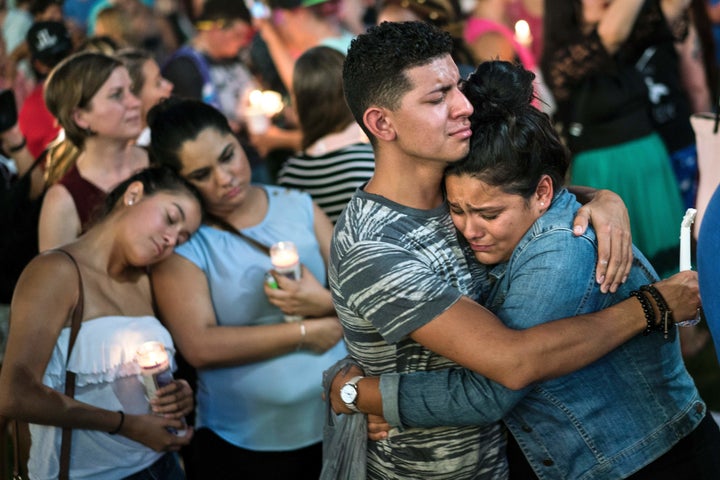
<point x="155" y="369"/>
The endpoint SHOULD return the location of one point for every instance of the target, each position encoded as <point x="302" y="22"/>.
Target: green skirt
<point x="640" y="172"/>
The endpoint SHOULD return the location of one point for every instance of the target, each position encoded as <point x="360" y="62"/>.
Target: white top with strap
<point x="108" y="377"/>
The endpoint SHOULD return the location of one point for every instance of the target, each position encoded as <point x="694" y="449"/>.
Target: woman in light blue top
<point x="114" y="434"/>
<point x="259" y="407"/>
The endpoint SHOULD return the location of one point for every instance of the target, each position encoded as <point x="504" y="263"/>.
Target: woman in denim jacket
<point x="634" y="413"/>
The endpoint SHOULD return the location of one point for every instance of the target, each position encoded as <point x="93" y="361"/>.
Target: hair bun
<point x="499" y="88"/>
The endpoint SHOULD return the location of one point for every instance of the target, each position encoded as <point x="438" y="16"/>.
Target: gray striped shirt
<point x="392" y="270"/>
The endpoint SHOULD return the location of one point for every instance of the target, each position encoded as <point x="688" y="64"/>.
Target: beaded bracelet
<point x="647" y="310"/>
<point x="120" y="425"/>
<point x="665" y="313"/>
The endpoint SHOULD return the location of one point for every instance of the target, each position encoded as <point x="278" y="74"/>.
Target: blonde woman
<point x="90" y="95"/>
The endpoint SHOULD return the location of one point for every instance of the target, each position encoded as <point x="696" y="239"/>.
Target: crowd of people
<point x="485" y="220"/>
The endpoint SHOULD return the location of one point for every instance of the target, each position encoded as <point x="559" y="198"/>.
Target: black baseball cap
<point x="49" y="42"/>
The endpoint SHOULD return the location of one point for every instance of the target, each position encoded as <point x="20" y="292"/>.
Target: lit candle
<point x="271" y="102"/>
<point x="262" y="105"/>
<point x="286" y="261"/>
<point x="687" y="221"/>
<point x="685" y="262"/>
<point x="522" y="33"/>
<point x="155" y="369"/>
<point x="255" y="118"/>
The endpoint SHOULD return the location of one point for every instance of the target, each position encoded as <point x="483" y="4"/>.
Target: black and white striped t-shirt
<point x="331" y="178"/>
<point x="392" y="270"/>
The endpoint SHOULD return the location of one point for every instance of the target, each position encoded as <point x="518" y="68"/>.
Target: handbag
<point x="66" y="440"/>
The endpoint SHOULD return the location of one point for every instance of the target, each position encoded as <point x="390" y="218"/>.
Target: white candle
<point x="262" y="105"/>
<point x="286" y="261"/>
<point x="256" y="119"/>
<point x="687" y="221"/>
<point x="154" y="366"/>
<point x="155" y="369"/>
<point x="685" y="261"/>
<point x="522" y="33"/>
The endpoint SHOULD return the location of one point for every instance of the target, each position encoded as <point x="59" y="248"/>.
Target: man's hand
<point x="609" y="216"/>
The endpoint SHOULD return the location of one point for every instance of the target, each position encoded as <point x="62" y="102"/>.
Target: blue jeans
<point x="166" y="468"/>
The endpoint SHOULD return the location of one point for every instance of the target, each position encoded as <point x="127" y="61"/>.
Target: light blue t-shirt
<point x="272" y="405"/>
<point x="341" y="43"/>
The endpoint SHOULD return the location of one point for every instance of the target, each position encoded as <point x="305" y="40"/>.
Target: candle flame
<point x="268" y="101"/>
<point x="284" y="254"/>
<point x="151" y="354"/>
<point x="522" y="32"/>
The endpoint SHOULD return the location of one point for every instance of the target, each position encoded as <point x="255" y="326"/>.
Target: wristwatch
<point x="349" y="393"/>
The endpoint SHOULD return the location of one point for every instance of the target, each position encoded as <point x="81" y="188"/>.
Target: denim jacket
<point x="604" y="421"/>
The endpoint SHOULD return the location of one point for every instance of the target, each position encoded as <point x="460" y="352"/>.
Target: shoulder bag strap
<point x="16" y="474"/>
<point x="229" y="228"/>
<point x="70" y="376"/>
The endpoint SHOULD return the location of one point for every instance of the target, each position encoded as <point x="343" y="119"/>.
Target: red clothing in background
<point x="36" y="122"/>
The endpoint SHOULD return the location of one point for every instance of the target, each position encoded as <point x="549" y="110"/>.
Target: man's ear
<point x="134" y="193"/>
<point x="378" y="121"/>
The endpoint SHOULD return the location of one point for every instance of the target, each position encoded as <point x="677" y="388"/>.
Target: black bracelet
<point x="120" y="425"/>
<point x="666" y="315"/>
<point x="17" y="148"/>
<point x="647" y="310"/>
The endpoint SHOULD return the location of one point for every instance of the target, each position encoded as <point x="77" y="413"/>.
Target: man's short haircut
<point x="374" y="70"/>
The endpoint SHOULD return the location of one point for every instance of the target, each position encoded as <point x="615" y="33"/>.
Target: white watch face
<point x="348" y="393"/>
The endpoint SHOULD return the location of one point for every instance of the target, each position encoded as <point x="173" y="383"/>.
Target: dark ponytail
<point x="513" y="143"/>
